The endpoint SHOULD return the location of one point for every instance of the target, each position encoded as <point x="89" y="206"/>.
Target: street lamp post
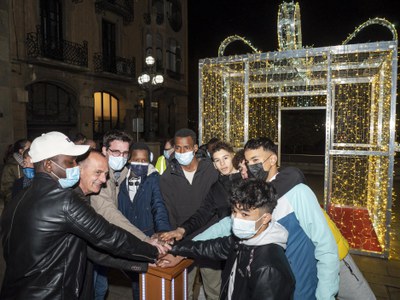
<point x="150" y="81"/>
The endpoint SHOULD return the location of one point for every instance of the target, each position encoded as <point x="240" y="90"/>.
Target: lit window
<point x="106" y="113"/>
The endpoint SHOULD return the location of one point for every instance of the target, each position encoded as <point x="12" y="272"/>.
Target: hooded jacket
<point x="147" y="211"/>
<point x="45" y="231"/>
<point x="255" y="269"/>
<point x="12" y="171"/>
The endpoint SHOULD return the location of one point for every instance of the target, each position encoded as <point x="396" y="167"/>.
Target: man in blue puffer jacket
<point x="140" y="199"/>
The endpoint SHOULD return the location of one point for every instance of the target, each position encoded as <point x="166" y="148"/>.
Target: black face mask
<point x="257" y="171"/>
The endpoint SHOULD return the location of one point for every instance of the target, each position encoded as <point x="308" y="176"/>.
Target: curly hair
<point x="254" y="193"/>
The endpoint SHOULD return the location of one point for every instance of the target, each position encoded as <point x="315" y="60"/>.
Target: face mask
<point x="117" y="162"/>
<point x="29" y="172"/>
<point x="244" y="229"/>
<point x="167" y="154"/>
<point x="184" y="159"/>
<point x="257" y="170"/>
<point x="72" y="178"/>
<point x="140" y="169"/>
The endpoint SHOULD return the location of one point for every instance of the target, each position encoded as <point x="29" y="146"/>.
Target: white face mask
<point x="117" y="162"/>
<point x="245" y="229"/>
<point x="184" y="159"/>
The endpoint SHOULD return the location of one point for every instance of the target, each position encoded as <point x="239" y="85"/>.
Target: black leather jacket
<point x="262" y="272"/>
<point x="44" y="233"/>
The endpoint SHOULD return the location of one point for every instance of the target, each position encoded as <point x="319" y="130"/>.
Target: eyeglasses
<point x="117" y="153"/>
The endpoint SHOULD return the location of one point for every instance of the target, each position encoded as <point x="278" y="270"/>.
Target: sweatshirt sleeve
<point x="313" y="222"/>
<point x="221" y="229"/>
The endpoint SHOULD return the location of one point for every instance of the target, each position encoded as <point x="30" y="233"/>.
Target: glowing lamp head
<point x="158" y="79"/>
<point x="150" y="60"/>
<point x="144" y="78"/>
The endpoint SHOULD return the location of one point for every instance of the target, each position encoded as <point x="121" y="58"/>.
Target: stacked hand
<point x="165" y="240"/>
<point x="169" y="261"/>
<point x="162" y="247"/>
<point x="176" y="234"/>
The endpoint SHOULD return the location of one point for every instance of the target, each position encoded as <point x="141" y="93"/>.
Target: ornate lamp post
<point x="149" y="80"/>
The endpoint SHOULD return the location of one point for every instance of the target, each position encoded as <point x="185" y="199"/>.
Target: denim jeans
<point x="100" y="282"/>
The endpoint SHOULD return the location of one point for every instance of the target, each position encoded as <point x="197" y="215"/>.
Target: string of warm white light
<point x="231" y="39"/>
<point x="374" y="21"/>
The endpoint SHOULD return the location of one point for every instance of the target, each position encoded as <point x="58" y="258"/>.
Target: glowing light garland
<point x="374" y="21"/>
<point x="243" y="96"/>
<point x="234" y="38"/>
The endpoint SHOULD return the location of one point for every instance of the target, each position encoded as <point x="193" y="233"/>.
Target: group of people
<point x="253" y="229"/>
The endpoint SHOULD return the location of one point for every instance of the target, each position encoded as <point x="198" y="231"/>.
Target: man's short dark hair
<point x="116" y="135"/>
<point x="141" y="146"/>
<point x="254" y="193"/>
<point x="185" y="132"/>
<point x="221" y="146"/>
<point x="264" y="142"/>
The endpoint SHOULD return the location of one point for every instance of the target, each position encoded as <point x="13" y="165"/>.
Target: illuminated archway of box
<point x="243" y="96"/>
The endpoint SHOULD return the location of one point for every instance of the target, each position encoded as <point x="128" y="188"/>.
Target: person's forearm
<point x="107" y="260"/>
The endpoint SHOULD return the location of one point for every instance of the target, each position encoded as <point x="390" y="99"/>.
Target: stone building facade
<point x="72" y="66"/>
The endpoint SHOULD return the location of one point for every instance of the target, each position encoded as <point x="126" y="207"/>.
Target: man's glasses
<point x="117" y="153"/>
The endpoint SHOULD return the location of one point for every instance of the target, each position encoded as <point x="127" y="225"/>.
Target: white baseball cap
<point x="52" y="144"/>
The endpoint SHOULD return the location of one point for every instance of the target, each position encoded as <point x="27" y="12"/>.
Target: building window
<point x="174" y="59"/>
<point x="158" y="6"/>
<point x="109" y="42"/>
<point x="174" y="13"/>
<point x="106" y="113"/>
<point x="51" y="28"/>
<point x="159" y="53"/>
<point x="149" y="44"/>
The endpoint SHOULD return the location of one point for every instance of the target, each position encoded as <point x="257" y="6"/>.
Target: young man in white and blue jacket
<point x="311" y="247"/>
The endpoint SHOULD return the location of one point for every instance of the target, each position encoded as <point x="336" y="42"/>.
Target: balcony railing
<point x="116" y="65"/>
<point x="58" y="49"/>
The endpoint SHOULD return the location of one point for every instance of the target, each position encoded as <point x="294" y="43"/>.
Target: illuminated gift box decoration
<point x="243" y="96"/>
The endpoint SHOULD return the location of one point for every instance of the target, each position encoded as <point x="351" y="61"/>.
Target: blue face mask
<point x="117" y="162"/>
<point x="139" y="169"/>
<point x="72" y="178"/>
<point x="244" y="229"/>
<point x="167" y="154"/>
<point x="184" y="159"/>
<point x="29" y="172"/>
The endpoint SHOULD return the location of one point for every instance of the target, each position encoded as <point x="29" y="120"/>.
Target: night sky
<point x="323" y="23"/>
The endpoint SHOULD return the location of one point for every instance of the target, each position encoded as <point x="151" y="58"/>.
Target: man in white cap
<point x="44" y="229"/>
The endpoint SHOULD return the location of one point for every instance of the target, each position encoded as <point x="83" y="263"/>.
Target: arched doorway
<point x="51" y="107"/>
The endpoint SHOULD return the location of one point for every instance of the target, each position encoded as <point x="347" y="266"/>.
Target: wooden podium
<point x="165" y="283"/>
